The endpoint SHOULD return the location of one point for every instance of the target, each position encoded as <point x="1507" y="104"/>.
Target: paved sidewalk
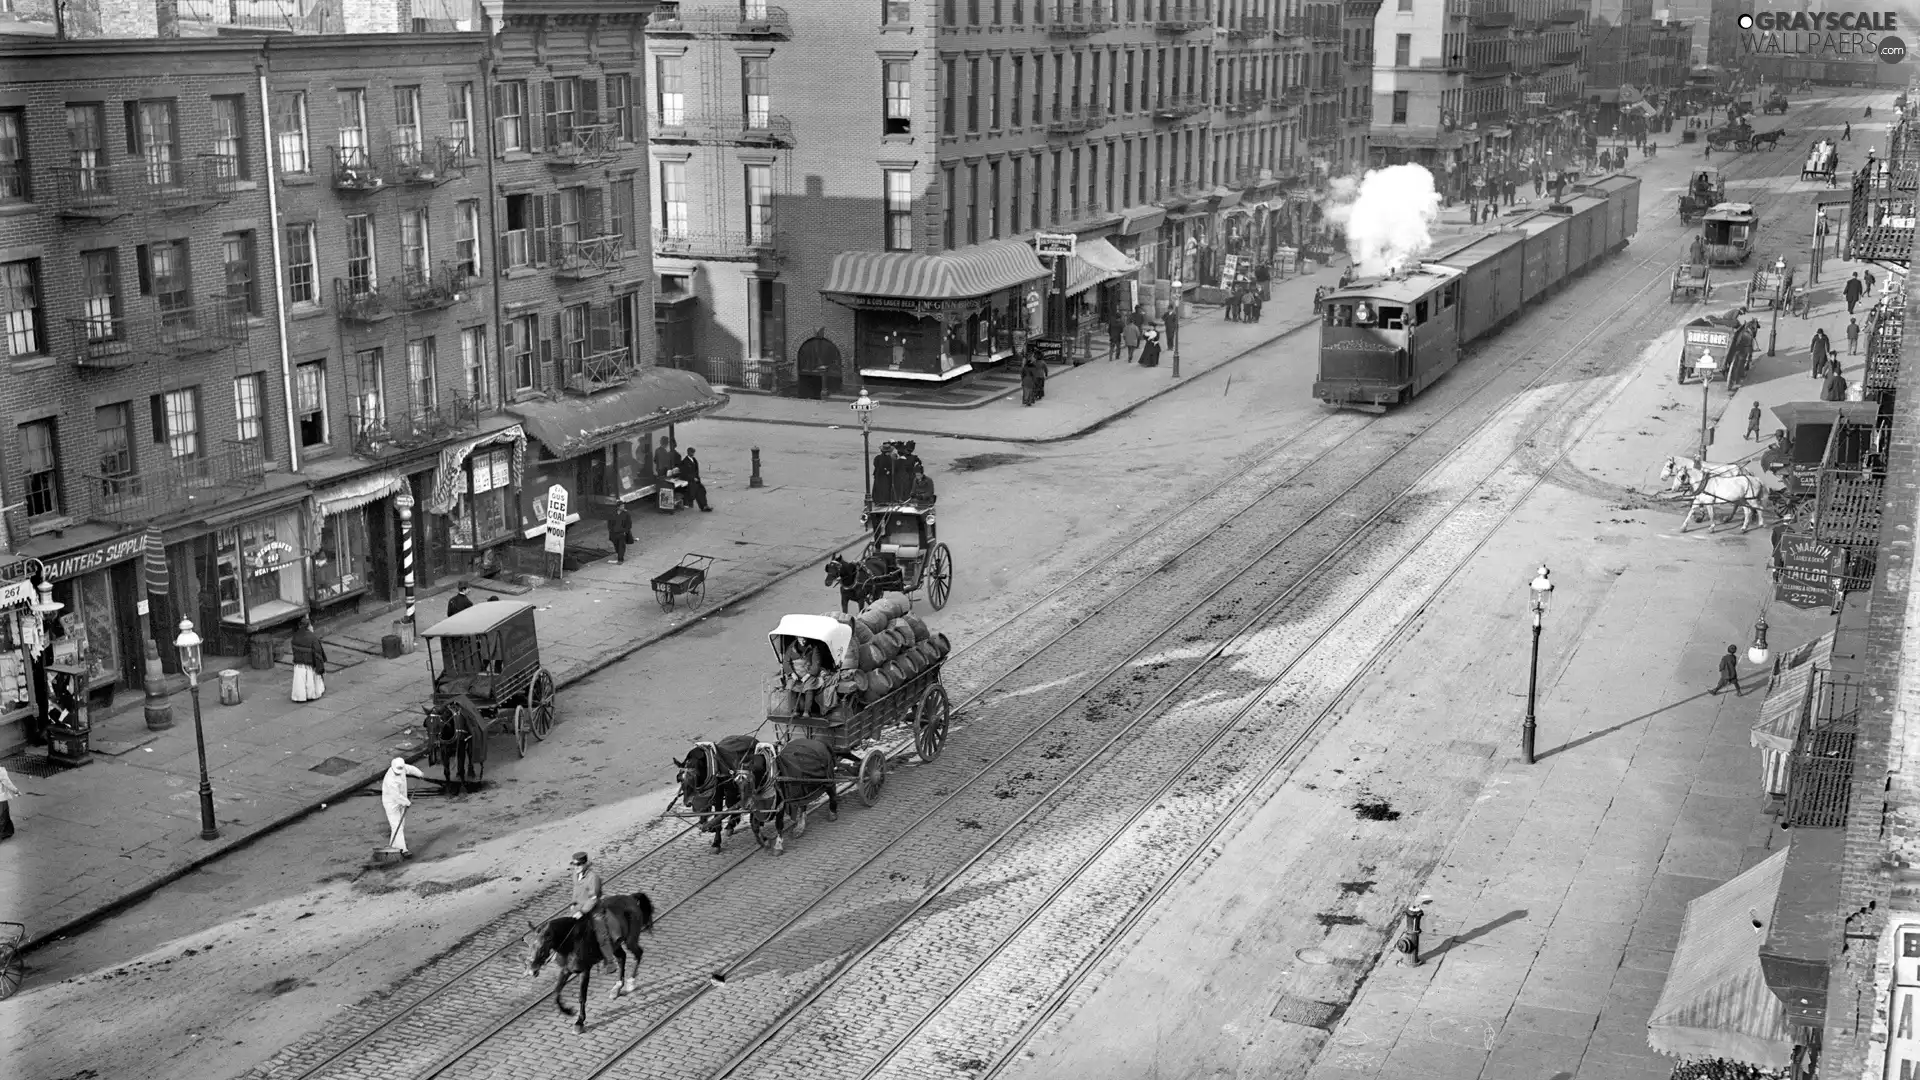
<point x="94" y="838"/>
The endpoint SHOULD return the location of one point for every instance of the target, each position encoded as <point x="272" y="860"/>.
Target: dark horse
<point x="572" y="940"/>
<point x="864" y="581"/>
<point x="455" y="734"/>
<point x="709" y="781"/>
<point x="784" y="782"/>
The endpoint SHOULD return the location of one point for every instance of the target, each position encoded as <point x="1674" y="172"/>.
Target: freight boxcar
<point x="1384" y="340"/>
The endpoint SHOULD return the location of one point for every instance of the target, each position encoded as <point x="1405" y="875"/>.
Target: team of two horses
<point x="1715" y="486"/>
<point x="772" y="787"/>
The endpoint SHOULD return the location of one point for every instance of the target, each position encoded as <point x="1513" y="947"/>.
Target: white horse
<point x="1739" y="491"/>
<point x="1686" y="473"/>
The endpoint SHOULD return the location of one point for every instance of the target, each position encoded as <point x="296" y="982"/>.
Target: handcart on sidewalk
<point x="487" y="678"/>
<point x="12" y="968"/>
<point x="1690" y="282"/>
<point x="687" y="578"/>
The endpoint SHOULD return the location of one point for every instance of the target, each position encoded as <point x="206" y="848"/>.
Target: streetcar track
<point x="1104" y="563"/>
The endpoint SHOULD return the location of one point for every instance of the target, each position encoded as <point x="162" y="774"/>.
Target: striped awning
<point x="1093" y="262"/>
<point x="977" y="270"/>
<point x="1716" y="1003"/>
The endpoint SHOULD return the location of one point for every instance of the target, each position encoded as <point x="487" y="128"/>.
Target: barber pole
<point x="403" y="502"/>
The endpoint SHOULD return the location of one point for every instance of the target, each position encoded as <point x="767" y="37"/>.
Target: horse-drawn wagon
<point x="1690" y="282"/>
<point x="1724" y="338"/>
<point x="487" y="677"/>
<point x="1728" y="231"/>
<point x="1705" y="190"/>
<point x="1776" y="103"/>
<point x="1823" y="160"/>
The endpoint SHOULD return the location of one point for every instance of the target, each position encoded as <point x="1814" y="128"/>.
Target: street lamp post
<point x="1705" y="367"/>
<point x="1539" y="591"/>
<point x="1174" y="351"/>
<point x="863" y="405"/>
<point x="1780" y="301"/>
<point x="189" y="645"/>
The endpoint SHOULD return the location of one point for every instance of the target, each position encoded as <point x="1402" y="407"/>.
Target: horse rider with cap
<point x="586" y="904"/>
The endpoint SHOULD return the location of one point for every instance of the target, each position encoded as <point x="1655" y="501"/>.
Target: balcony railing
<point x="90" y="193"/>
<point x="584" y="144"/>
<point x="1245" y="102"/>
<point x="1092" y="210"/>
<point x="1079" y="22"/>
<point x="197" y="329"/>
<point x="354" y="169"/>
<point x="751" y="129"/>
<point x="1077" y="120"/>
<point x="1179" y="107"/>
<point x="173" y="484"/>
<point x="1293" y="95"/>
<point x="435" y="163"/>
<point x="1491" y="69"/>
<point x="386" y="433"/>
<point x="1250" y="28"/>
<point x="598" y="371"/>
<point x="360" y="302"/>
<point x="1562" y="58"/>
<point x="109" y="191"/>
<point x="743" y="20"/>
<point x="1881" y="216"/>
<point x="578" y="260"/>
<point x="101" y="343"/>
<point x="714" y="244"/>
<point x="431" y="290"/>
<point x="1291" y="26"/>
<point x="1182" y="19"/>
<point x="732" y="372"/>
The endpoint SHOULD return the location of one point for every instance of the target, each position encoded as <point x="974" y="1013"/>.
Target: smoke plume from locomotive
<point x="1387" y="216"/>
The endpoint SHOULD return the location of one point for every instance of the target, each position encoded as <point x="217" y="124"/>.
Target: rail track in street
<point x="1110" y="650"/>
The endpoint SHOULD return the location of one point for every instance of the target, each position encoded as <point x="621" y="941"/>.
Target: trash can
<point x="230" y="687"/>
<point x="260" y="654"/>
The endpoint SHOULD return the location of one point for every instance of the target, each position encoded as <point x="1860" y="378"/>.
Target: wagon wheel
<point x="939" y="576"/>
<point x="540" y="699"/>
<point x="697" y="591"/>
<point x="664" y="594"/>
<point x="930" y="733"/>
<point x="873" y="776"/>
<point x="12" y="972"/>
<point x="520" y="728"/>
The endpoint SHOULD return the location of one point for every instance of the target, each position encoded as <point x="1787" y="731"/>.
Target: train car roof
<point x="1407" y="286"/>
<point x="1478" y="249"/>
<point x="1617" y="181"/>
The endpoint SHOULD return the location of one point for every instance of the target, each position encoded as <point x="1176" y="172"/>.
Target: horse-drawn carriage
<point x="1728" y="231"/>
<point x="1705" y="190"/>
<point x="1690" y="281"/>
<point x="1738" y="136"/>
<point x="906" y="537"/>
<point x="487" y="677"/>
<point x="1776" y="103"/>
<point x="1823" y="160"/>
<point x="1724" y="338"/>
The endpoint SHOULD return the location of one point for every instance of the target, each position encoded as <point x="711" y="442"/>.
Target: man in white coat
<point x="393" y="795"/>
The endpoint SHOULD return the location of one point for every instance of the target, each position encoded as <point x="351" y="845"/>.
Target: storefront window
<point x="83" y="632"/>
<point x="340" y="564"/>
<point x="263" y="571"/>
<point x="17" y="646"/>
<point x="480" y="517"/>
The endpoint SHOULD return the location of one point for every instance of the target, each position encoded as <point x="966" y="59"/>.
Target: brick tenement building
<point x="846" y="193"/>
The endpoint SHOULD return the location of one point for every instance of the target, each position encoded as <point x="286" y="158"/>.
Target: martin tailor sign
<point x="1806" y="572"/>
<point x="94" y="558"/>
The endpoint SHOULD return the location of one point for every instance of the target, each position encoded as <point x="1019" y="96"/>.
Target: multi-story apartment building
<point x="1619" y="55"/>
<point x="1356" y="93"/>
<point x="1420" y="85"/>
<point x="1669" y="52"/>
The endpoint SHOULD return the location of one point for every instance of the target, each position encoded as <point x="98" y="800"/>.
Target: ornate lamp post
<point x="1539" y="591"/>
<point x="1773" y="332"/>
<point x="1705" y="367"/>
<point x="863" y="405"/>
<point x="189" y="645"/>
<point x="1174" y="352"/>
<point x="1758" y="653"/>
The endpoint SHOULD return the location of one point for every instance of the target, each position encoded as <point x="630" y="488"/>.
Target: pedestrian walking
<point x="1846" y="135"/>
<point x="1173" y="325"/>
<point x="696" y="491"/>
<point x="1853" y="337"/>
<point x="1031" y="375"/>
<point x="1868" y="277"/>
<point x="7" y="792"/>
<point x="395" y="800"/>
<point x="459" y="602"/>
<point x="1132" y="338"/>
<point x="1263" y="277"/>
<point x="1138" y="317"/>
<point x="1708" y="152"/>
<point x="1116" y="332"/>
<point x="309" y="663"/>
<point x="1753" y="423"/>
<point x="620" y="531"/>
<point x="1730" y="671"/>
<point x="1853" y="291"/>
<point x="1233" y="310"/>
<point x="1473" y="212"/>
<point x="1821" y="351"/>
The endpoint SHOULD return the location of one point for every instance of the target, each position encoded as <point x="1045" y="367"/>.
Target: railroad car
<point x="1384" y="340"/>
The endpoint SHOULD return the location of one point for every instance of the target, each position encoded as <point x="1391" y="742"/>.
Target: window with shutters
<point x="352" y="106"/>
<point x="510" y="115"/>
<point x="460" y="116"/>
<point x="416" y="261"/>
<point x="421" y="361"/>
<point x="673" y="198"/>
<point x="620" y="221"/>
<point x="370" y="369"/>
<point x="898" y="184"/>
<point x="523" y="343"/>
<point x="230" y="137"/>
<point x="466" y="249"/>
<point x="302" y="275"/>
<point x="238" y="262"/>
<point x="525" y="239"/>
<point x="290" y="131"/>
<point x="154" y="136"/>
<point x="951" y="193"/>
<point x="619" y="110"/>
<point x="759" y="204"/>
<point x="756" y="92"/>
<point x="361" y="271"/>
<point x="310" y="402"/>
<point x="179" y="426"/>
<point x="973" y="204"/>
<point x="574" y="320"/>
<point x="40" y="468"/>
<point x="1015" y="193"/>
<point x="407" y="125"/>
<point x="101" y="271"/>
<point x="573" y="211"/>
<point x="113" y="449"/>
<point x="86" y="147"/>
<point x="670" y="91"/>
<point x="896" y="81"/>
<point x="949" y="97"/>
<point x="560" y="107"/>
<point x="993" y="201"/>
<point x="973" y="94"/>
<point x="1019" y="89"/>
<point x="249" y="412"/>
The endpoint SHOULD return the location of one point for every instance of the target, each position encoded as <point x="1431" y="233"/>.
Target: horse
<point x="454" y="732"/>
<point x="570" y="938"/>
<point x="1739" y="490"/>
<point x="845" y="573"/>
<point x="783" y="781"/>
<point x="864" y="581"/>
<point x="709" y="779"/>
<point x="1687" y="473"/>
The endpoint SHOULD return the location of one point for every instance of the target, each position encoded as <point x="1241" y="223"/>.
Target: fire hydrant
<point x="755" y="480"/>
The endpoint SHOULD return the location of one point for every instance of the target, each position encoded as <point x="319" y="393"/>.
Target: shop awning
<point x="354" y="494"/>
<point x="1716" y="1003"/>
<point x="1795" y="413"/>
<point x="1227" y="198"/>
<point x="653" y="399"/>
<point x="447" y="485"/>
<point x="1093" y="262"/>
<point x="978" y="270"/>
<point x="1787" y="698"/>
<point x="1141" y="219"/>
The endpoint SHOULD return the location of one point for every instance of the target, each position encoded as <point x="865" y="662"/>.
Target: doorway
<point x="819" y="367"/>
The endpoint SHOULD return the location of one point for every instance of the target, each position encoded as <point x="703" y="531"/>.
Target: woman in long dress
<point x="309" y="663"/>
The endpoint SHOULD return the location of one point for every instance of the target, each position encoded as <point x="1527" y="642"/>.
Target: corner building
<point x="849" y="193"/>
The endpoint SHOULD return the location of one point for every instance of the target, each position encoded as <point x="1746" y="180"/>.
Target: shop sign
<point x="1054" y="245"/>
<point x="16" y="592"/>
<point x="1534" y="99"/>
<point x="1806" y="572"/>
<point x="270" y="557"/>
<point x="83" y="562"/>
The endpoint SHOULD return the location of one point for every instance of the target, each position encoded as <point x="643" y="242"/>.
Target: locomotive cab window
<point x="1393" y="318"/>
<point x="1420" y="313"/>
<point x="1449" y="295"/>
<point x="1339" y="314"/>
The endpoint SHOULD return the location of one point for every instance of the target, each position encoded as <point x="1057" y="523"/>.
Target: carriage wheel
<point x="520" y="728"/>
<point x="930" y="734"/>
<point x="12" y="973"/>
<point x="939" y="576"/>
<point x="696" y="592"/>
<point x="873" y="776"/>
<point x="540" y="699"/>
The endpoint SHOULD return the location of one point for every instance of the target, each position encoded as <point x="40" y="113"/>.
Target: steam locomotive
<point x="1384" y="340"/>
